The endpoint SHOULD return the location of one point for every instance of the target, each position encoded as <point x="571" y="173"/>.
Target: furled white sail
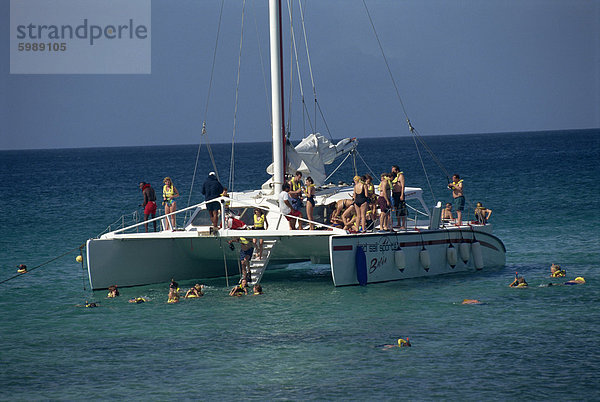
<point x="311" y="155"/>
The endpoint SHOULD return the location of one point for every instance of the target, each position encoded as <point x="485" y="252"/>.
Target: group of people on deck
<point x="169" y="203"/>
<point x="358" y="214"/>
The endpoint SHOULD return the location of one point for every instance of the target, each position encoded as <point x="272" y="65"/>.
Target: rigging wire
<point x="203" y="133"/>
<point x="44" y="263"/>
<point x="262" y="66"/>
<point x="312" y="79"/>
<point x="412" y="130"/>
<point x="237" y="92"/>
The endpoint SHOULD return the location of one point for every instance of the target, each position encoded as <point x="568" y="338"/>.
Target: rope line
<point x="44" y="263"/>
<point x="210" y="81"/>
<point x="237" y="94"/>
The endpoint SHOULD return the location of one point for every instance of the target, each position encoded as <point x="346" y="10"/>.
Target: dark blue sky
<point x="467" y="66"/>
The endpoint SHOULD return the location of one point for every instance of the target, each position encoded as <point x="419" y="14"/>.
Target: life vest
<point x="307" y="187"/>
<point x="370" y="189"/>
<point x="296" y="185"/>
<point x="168" y="192"/>
<point x="227" y="203"/>
<point x="396" y="178"/>
<point x="259" y="221"/>
<point x="243" y="240"/>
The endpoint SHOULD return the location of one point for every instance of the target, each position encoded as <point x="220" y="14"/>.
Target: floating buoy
<point x="451" y="256"/>
<point x="424" y="258"/>
<point x="400" y="260"/>
<point x="79" y="258"/>
<point x="477" y="255"/>
<point x="465" y="250"/>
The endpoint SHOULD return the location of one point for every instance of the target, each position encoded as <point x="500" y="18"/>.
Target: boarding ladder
<point x="258" y="266"/>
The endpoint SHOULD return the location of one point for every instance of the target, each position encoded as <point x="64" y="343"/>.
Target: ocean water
<point x="305" y="339"/>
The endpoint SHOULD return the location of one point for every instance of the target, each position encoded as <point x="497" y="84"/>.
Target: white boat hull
<point x="383" y="265"/>
<point x="148" y="258"/>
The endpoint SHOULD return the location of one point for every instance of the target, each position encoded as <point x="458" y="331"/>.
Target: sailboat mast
<point x="278" y="126"/>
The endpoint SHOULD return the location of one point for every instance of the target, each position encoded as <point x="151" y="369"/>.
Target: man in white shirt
<point x="286" y="207"/>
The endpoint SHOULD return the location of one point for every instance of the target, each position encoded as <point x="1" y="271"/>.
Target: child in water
<point x="241" y="289"/>
<point x="195" y="291"/>
<point x="257" y="289"/>
<point x="519" y="282"/>
<point x="113" y="291"/>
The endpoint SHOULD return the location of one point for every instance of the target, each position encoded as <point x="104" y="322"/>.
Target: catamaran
<point x="427" y="246"/>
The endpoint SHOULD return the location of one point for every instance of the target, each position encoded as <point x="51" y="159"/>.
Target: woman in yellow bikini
<point x="169" y="195"/>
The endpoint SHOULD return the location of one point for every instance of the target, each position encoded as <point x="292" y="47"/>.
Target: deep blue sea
<point x="304" y="338"/>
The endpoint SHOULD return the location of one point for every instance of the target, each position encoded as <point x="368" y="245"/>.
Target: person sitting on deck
<point x="482" y="214"/>
<point x="241" y="289"/>
<point x="447" y="213"/>
<point x="260" y="223"/>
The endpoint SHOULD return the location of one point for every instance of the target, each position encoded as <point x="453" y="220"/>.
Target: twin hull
<point x="142" y="260"/>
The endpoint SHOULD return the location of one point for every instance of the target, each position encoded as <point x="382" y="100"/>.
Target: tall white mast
<point x="276" y="95"/>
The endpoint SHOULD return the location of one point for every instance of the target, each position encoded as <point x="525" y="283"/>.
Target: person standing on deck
<point x="149" y="203"/>
<point x="212" y="189"/>
<point x="398" y="196"/>
<point x="286" y="208"/>
<point x="169" y="195"/>
<point x="459" y="199"/>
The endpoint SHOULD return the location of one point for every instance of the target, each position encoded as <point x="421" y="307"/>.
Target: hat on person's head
<point x="212" y="174"/>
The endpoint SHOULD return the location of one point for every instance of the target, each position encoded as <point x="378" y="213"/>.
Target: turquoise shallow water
<point x="305" y="339"/>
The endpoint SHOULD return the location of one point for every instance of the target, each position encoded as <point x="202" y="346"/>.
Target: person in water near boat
<point x="195" y="291"/>
<point x="398" y="188"/>
<point x="471" y="301"/>
<point x="309" y="190"/>
<point x="211" y="189"/>
<point x="257" y="289"/>
<point x="518" y="282"/>
<point x="556" y="271"/>
<point x="384" y="203"/>
<point x="402" y="343"/>
<point x="286" y="208"/>
<point x="113" y="291"/>
<point x="241" y="289"/>
<point x="459" y="199"/>
<point x="361" y="202"/>
<point x="482" y="214"/>
<point x="577" y="281"/>
<point x="260" y="223"/>
<point x="138" y="300"/>
<point x="149" y="203"/>
<point x="246" y="251"/>
<point x="173" y="292"/>
<point x="21" y="269"/>
<point x="169" y="194"/>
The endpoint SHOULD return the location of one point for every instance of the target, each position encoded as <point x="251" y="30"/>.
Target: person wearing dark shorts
<point x="459" y="200"/>
<point x="398" y="196"/>
<point x="246" y="251"/>
<point x="212" y="189"/>
<point x="149" y="203"/>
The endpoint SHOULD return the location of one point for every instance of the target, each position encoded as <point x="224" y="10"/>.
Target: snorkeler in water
<point x="402" y="343"/>
<point x="518" y="282"/>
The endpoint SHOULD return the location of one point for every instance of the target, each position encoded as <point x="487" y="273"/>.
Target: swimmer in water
<point x="138" y="300"/>
<point x="577" y="281"/>
<point x="112" y="291"/>
<point x="519" y="282"/>
<point x="471" y="301"/>
<point x="556" y="271"/>
<point x="402" y="343"/>
<point x="241" y="289"/>
<point x="257" y="290"/>
<point x="195" y="291"/>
